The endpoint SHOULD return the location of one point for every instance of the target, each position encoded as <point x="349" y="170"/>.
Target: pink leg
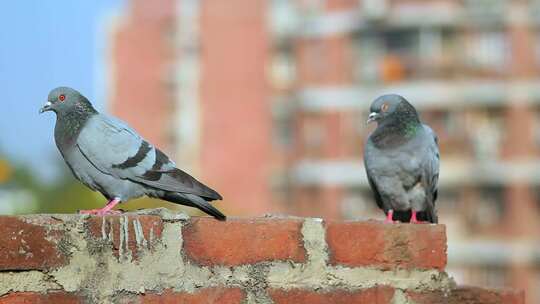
<point x="105" y="210"/>
<point x="390" y="217"/>
<point x="413" y="218"/>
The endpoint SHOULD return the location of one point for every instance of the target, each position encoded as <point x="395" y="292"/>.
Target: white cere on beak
<point x="372" y="116"/>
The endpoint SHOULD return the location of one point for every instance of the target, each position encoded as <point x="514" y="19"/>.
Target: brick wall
<point x="156" y="256"/>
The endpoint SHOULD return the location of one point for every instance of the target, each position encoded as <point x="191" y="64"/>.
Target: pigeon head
<point x="391" y="107"/>
<point x="64" y="100"/>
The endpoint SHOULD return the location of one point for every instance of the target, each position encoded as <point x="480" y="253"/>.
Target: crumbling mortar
<point x="26" y="281"/>
<point x="166" y="215"/>
<point x="257" y="298"/>
<point x="400" y="297"/>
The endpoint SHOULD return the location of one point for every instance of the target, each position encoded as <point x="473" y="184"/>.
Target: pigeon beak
<point x="373" y="116"/>
<point x="46" y="107"/>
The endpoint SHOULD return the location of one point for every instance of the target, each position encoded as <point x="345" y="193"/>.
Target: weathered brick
<point x="204" y="296"/>
<point x="237" y="242"/>
<point x="37" y="298"/>
<point x="131" y="233"/>
<point x="375" y="243"/>
<point x="469" y="295"/>
<point x="25" y="245"/>
<point x="376" y="295"/>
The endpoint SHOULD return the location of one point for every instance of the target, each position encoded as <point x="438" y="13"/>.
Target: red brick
<point x="377" y="295"/>
<point x="469" y="295"/>
<point x="237" y="242"/>
<point x="205" y="296"/>
<point x="25" y="245"/>
<point x="375" y="243"/>
<point x="36" y="298"/>
<point x="151" y="226"/>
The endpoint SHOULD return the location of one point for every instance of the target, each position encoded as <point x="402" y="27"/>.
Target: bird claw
<point x="414" y="220"/>
<point x="107" y="210"/>
<point x="390" y="217"/>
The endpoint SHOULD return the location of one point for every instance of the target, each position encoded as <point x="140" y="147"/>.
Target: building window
<point x="451" y="130"/>
<point x="283" y="127"/>
<point x="398" y="54"/>
<point x="534" y="12"/>
<point x="537" y="47"/>
<point x="536" y="127"/>
<point x="489" y="208"/>
<point x="367" y="49"/>
<point x="385" y="55"/>
<point x="490" y="276"/>
<point x="374" y="9"/>
<point x="283" y="69"/>
<point x="487" y="52"/>
<point x="536" y="192"/>
<point x="284" y="18"/>
<point x="312" y="7"/>
<point x="313" y="135"/>
<point x="486" y="132"/>
<point x="448" y="201"/>
<point x="486" y="12"/>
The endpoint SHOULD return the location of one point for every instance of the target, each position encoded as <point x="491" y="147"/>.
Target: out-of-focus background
<point x="266" y="101"/>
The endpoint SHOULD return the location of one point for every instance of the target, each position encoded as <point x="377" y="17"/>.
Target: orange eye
<point x="384" y="107"/>
<point x="62" y="97"/>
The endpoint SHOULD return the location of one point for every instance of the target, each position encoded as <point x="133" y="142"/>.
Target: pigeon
<point x="401" y="159"/>
<point x="107" y="156"/>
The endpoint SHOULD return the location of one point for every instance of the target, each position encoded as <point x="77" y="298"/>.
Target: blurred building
<point x="191" y="78"/>
<point x="267" y="100"/>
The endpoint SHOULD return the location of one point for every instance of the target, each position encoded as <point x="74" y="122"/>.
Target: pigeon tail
<point x="195" y="201"/>
<point x="431" y="213"/>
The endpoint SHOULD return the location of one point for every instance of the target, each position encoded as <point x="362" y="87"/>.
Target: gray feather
<point x="402" y="164"/>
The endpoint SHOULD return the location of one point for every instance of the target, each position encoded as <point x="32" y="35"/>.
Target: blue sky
<point x="45" y="44"/>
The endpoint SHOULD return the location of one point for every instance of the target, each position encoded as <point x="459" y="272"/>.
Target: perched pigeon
<point x="402" y="161"/>
<point x="108" y="156"/>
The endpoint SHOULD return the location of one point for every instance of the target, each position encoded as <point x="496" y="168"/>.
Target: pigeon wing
<point x="376" y="194"/>
<point x="372" y="179"/>
<point x="430" y="171"/>
<point x="115" y="149"/>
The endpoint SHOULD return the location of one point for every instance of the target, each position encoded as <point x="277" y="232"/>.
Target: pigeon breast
<point x="404" y="175"/>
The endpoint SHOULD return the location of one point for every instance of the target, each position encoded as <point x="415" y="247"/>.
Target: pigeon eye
<point x="62" y="97"/>
<point x="384" y="107"/>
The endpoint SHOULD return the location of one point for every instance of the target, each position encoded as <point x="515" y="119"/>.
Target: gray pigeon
<point x="108" y="156"/>
<point x="401" y="158"/>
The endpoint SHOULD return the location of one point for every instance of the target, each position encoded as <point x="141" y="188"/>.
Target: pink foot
<point x="389" y="217"/>
<point x="413" y="218"/>
<point x="105" y="210"/>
